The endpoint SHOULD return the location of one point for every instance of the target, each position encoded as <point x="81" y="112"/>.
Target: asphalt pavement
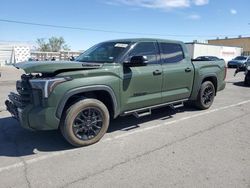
<point x="170" y="148"/>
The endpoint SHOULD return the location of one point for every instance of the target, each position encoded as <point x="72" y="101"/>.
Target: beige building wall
<point x="41" y="56"/>
<point x="243" y="42"/>
<point x="225" y="52"/>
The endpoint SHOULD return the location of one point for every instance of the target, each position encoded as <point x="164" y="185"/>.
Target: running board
<point x="140" y="114"/>
<point x="176" y="105"/>
<point x="147" y="110"/>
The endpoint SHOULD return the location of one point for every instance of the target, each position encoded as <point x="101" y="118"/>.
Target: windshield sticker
<point x="121" y="45"/>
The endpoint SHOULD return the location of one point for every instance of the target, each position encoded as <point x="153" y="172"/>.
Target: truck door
<point x="178" y="72"/>
<point x="141" y="85"/>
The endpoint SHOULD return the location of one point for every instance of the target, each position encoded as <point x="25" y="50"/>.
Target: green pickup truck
<point x="111" y="79"/>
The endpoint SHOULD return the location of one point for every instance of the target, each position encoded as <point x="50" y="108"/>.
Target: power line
<point x="107" y="31"/>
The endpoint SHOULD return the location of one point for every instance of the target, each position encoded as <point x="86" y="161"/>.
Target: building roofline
<point x="212" y="44"/>
<point x="229" y="38"/>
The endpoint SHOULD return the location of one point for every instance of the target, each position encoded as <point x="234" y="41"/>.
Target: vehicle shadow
<point x="16" y="141"/>
<point x="127" y="123"/>
<point x="240" y="84"/>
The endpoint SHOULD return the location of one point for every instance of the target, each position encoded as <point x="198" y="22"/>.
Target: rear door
<point x="178" y="72"/>
<point x="141" y="85"/>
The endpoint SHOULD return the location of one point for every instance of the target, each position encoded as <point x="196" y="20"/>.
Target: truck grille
<point x="17" y="100"/>
<point x="24" y="96"/>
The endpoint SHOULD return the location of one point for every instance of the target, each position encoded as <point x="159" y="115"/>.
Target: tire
<point x="85" y="122"/>
<point x="205" y="96"/>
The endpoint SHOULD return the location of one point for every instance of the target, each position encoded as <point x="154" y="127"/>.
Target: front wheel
<point x="85" y="122"/>
<point x="206" y="95"/>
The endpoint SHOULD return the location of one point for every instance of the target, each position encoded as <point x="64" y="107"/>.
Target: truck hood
<point x="55" y="66"/>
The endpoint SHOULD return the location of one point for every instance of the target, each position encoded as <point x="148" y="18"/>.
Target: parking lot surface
<point x="170" y="148"/>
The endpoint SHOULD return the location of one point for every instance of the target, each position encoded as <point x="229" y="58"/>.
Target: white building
<point x="14" y="52"/>
<point x="225" y="52"/>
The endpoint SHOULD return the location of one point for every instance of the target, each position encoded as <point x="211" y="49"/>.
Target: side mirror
<point x="137" y="61"/>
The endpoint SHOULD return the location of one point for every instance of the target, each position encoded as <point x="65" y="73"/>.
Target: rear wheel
<point x="206" y="95"/>
<point x="85" y="122"/>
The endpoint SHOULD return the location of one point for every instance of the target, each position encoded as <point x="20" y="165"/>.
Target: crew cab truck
<point x="111" y="79"/>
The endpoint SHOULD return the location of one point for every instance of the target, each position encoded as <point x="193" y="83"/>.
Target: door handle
<point x="188" y="70"/>
<point x="157" y="72"/>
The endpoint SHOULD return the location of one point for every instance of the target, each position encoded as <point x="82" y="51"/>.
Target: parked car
<point x="207" y="58"/>
<point x="238" y="61"/>
<point x="245" y="68"/>
<point x="111" y="79"/>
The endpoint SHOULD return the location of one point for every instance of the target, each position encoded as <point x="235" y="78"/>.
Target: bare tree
<point x="43" y="45"/>
<point x="54" y="44"/>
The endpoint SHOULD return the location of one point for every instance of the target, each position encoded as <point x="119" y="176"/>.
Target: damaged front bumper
<point x="31" y="117"/>
<point x="12" y="109"/>
<point x="30" y="108"/>
<point x="14" y="102"/>
<point x="16" y="108"/>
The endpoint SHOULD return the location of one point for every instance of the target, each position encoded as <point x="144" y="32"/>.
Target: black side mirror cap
<point x="137" y="61"/>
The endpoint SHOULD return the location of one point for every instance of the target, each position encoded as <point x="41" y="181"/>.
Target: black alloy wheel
<point x="206" y="95"/>
<point x="88" y="123"/>
<point x="85" y="122"/>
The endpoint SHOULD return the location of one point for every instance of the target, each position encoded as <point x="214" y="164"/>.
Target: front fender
<point x="75" y="91"/>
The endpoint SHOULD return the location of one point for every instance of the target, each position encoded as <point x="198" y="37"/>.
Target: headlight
<point x="47" y="84"/>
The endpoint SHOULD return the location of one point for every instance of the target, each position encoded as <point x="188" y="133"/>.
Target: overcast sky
<point x="185" y="20"/>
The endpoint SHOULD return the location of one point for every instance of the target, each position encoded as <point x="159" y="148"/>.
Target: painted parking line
<point x="54" y="154"/>
<point x="180" y="120"/>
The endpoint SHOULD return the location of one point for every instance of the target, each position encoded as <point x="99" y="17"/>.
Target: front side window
<point x="147" y="49"/>
<point x="171" y="53"/>
<point x="106" y="52"/>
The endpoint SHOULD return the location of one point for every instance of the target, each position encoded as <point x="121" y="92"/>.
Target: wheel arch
<point x="213" y="79"/>
<point x="200" y="80"/>
<point x="101" y="92"/>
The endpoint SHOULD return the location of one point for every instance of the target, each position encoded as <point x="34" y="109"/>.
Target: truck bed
<point x="216" y="70"/>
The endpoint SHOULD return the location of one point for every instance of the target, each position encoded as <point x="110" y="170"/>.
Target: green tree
<point x="54" y="44"/>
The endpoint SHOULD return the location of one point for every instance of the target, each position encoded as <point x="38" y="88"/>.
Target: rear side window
<point x="171" y="53"/>
<point x="147" y="49"/>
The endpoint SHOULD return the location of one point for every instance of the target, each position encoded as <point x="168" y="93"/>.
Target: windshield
<point x="240" y="58"/>
<point x="106" y="52"/>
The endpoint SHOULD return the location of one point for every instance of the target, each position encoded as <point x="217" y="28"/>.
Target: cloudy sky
<point x="99" y="20"/>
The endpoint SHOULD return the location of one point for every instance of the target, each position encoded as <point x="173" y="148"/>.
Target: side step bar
<point x="138" y="113"/>
<point x="176" y="105"/>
